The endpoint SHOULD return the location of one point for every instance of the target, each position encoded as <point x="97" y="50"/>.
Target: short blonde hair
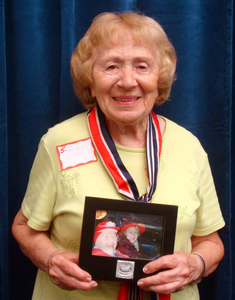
<point x="143" y="29"/>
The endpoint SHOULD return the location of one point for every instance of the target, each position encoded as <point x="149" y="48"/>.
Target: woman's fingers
<point x="65" y="272"/>
<point x="174" y="272"/>
<point x="165" y="282"/>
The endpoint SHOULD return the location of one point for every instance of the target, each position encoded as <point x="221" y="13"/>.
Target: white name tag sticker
<point x="76" y="154"/>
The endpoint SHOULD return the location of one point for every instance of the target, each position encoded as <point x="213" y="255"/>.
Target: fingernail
<point x="88" y="279"/>
<point x="95" y="284"/>
<point x="145" y="269"/>
<point x="139" y="283"/>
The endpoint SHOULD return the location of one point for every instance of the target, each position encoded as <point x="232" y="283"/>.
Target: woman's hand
<point x="62" y="266"/>
<point x="178" y="270"/>
<point x="64" y="271"/>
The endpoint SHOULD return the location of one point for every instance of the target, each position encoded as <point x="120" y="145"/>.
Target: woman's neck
<point x="131" y="135"/>
<point x="128" y="135"/>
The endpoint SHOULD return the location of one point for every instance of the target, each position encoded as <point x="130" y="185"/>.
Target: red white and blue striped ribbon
<point x="108" y="153"/>
<point x="130" y="291"/>
<point x="123" y="181"/>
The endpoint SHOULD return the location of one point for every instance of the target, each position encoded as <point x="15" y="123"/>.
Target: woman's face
<point x="125" y="81"/>
<point x="107" y="241"/>
<point x="132" y="234"/>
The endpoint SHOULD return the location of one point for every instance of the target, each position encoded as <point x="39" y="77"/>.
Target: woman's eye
<point x="142" y="67"/>
<point x="112" y="67"/>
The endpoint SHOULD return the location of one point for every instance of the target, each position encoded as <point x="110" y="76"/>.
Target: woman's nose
<point x="127" y="79"/>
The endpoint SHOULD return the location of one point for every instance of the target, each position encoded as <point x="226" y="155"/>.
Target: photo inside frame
<point x="138" y="235"/>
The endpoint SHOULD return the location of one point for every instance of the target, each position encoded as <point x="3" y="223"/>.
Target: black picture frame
<point x="158" y="217"/>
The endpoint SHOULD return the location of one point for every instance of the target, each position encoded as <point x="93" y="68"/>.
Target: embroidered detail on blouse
<point x="68" y="182"/>
<point x="183" y="212"/>
<point x="190" y="291"/>
<point x="73" y="245"/>
<point x="195" y="178"/>
<point x="69" y="297"/>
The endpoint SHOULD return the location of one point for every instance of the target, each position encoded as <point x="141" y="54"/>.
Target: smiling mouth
<point x="125" y="99"/>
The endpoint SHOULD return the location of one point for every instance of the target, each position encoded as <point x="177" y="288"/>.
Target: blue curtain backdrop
<point x="37" y="40"/>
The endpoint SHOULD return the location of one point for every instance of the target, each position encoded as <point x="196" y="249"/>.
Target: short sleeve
<point x="209" y="216"/>
<point x="40" y="195"/>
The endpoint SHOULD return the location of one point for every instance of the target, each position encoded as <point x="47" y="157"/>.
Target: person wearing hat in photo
<point x="128" y="244"/>
<point x="105" y="239"/>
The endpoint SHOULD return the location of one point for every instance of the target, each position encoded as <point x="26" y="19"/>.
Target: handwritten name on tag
<point x="76" y="153"/>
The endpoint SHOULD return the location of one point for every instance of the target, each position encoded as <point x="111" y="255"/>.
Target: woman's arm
<point x="211" y="248"/>
<point x="62" y="266"/>
<point x="182" y="268"/>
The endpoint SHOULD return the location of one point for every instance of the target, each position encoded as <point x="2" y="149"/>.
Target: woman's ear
<point x="93" y="93"/>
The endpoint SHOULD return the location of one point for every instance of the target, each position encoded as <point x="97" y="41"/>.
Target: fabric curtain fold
<point x="4" y="245"/>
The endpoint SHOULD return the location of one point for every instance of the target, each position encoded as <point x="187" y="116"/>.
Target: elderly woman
<point x="121" y="68"/>
<point x="128" y="244"/>
<point x="105" y="239"/>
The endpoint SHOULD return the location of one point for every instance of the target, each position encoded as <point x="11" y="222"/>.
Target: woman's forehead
<point x="108" y="232"/>
<point x="127" y="46"/>
<point x="132" y="228"/>
<point x="114" y="40"/>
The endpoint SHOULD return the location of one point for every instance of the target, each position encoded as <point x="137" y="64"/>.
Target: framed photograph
<point x="120" y="237"/>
